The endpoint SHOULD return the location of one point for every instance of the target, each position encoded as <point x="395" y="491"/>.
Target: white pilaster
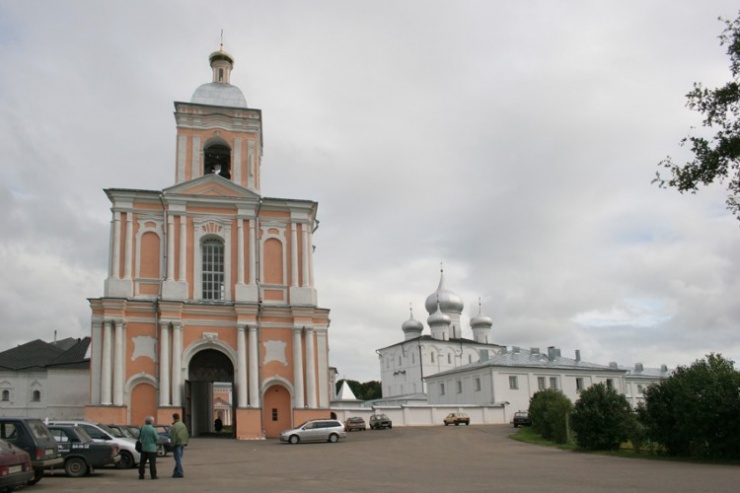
<point x="118" y="363"/>
<point x="310" y="369"/>
<point x="115" y="266"/>
<point x="294" y="254"/>
<point x="310" y="259"/>
<point x="252" y="251"/>
<point x="170" y="248"/>
<point x="176" y="364"/>
<point x="96" y="341"/>
<point x="323" y="367"/>
<point x="254" y="393"/>
<point x="241" y="377"/>
<point x="164" y="364"/>
<point x="306" y="247"/>
<point x="240" y="248"/>
<point x="107" y="364"/>
<point x="183" y="247"/>
<point x="129" y="245"/>
<point x="298" y="368"/>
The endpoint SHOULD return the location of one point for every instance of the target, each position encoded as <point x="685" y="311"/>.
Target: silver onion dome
<point x="449" y="302"/>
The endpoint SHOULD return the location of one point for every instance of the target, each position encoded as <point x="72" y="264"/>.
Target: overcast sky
<point x="512" y="142"/>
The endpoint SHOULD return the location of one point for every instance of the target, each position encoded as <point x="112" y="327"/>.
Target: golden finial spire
<point x="221" y="48"/>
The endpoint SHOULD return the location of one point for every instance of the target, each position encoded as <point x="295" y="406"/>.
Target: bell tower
<point x="217" y="133"/>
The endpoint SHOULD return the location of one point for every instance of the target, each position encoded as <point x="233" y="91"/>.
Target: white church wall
<point x="429" y="415"/>
<point x="62" y="394"/>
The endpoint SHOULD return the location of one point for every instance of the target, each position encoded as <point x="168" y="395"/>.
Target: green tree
<point x="601" y="418"/>
<point x="696" y="411"/>
<point x="549" y="411"/>
<point x="717" y="159"/>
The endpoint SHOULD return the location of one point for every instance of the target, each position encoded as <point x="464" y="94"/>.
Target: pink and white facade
<point x="209" y="281"/>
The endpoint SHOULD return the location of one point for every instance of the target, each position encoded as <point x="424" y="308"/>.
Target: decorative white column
<point x="96" y="340"/>
<point x="310" y="369"/>
<point x="306" y="247"/>
<point x="240" y="248"/>
<point x="176" y="364"/>
<point x="310" y="259"/>
<point x="107" y="364"/>
<point x="164" y="364"/>
<point x="254" y="391"/>
<point x="294" y="254"/>
<point x="115" y="265"/>
<point x="118" y="363"/>
<point x="241" y="366"/>
<point x="323" y="368"/>
<point x="252" y="252"/>
<point x="170" y="248"/>
<point x="183" y="247"/>
<point x="298" y="368"/>
<point x="129" y="244"/>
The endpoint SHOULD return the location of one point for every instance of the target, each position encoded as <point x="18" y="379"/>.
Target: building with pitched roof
<point x="45" y="379"/>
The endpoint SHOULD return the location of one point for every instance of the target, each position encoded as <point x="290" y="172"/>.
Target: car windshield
<point x="109" y="431"/>
<point x="117" y="432"/>
<point x="381" y="416"/>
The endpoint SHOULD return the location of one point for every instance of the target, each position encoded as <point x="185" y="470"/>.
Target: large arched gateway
<point x="206" y="368"/>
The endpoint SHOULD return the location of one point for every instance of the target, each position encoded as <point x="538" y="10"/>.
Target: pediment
<point x="211" y="186"/>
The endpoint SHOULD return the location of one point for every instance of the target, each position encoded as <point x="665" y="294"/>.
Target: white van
<point x="101" y="433"/>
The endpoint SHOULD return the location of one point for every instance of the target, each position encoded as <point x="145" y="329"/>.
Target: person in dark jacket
<point x="148" y="437"/>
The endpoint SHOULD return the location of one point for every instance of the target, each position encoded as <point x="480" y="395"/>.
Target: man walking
<point x="180" y="438"/>
<point x="148" y="437"/>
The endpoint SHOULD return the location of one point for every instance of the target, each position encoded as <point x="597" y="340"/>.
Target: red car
<point x="15" y="466"/>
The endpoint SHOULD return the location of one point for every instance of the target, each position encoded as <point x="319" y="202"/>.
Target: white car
<point x="101" y="433"/>
<point x="315" y="430"/>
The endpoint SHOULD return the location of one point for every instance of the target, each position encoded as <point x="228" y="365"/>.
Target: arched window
<point x="36" y="396"/>
<point x="217" y="159"/>
<point x="6" y="395"/>
<point x="213" y="270"/>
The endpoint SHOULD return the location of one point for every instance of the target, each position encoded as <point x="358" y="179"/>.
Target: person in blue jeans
<point x="148" y="437"/>
<point x="180" y="438"/>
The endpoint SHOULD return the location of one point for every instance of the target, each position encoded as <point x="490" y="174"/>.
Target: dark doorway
<point x="208" y="367"/>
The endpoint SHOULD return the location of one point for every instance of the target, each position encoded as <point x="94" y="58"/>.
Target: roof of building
<point x="522" y="358"/>
<point x="451" y="341"/>
<point x="41" y="354"/>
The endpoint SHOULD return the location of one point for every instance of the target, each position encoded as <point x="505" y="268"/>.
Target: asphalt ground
<point x="425" y="459"/>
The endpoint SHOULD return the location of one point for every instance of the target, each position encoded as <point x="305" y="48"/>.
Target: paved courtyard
<point x="426" y="459"/>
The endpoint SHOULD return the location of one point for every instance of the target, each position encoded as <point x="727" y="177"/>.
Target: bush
<point x="601" y="419"/>
<point x="694" y="413"/>
<point x="549" y="411"/>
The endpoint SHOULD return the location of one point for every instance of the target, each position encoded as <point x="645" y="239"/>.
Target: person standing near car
<point x="180" y="438"/>
<point x="148" y="437"/>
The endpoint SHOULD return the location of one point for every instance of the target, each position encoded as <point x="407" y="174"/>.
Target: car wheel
<point x="467" y="424"/>
<point x="516" y="425"/>
<point x="390" y="427"/>
<point x="161" y="452"/>
<point x="457" y="423"/>
<point x="333" y="438"/>
<point x="75" y="467"/>
<point x="37" y="475"/>
<point x="294" y="439"/>
<point x="447" y="424"/>
<point x="127" y="460"/>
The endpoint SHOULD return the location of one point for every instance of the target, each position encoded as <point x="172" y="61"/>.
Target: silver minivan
<point x="315" y="430"/>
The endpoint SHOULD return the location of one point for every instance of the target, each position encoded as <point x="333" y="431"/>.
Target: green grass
<point x="527" y="435"/>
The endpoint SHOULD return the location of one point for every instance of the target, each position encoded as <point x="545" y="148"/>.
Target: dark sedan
<point x="15" y="466"/>
<point x="80" y="452"/>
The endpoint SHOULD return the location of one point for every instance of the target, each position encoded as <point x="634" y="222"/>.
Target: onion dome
<point x="448" y="301"/>
<point x="439" y="323"/>
<point x="220" y="92"/>
<point x="481" y="320"/>
<point x="412" y="327"/>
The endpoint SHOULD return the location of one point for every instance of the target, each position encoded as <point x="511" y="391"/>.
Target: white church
<point x="443" y="368"/>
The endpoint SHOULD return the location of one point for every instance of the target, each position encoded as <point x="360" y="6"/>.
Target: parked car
<point x="80" y="452"/>
<point x="101" y="433"/>
<point x="315" y="430"/>
<point x="457" y="419"/>
<point x="123" y="431"/>
<point x="355" y="423"/>
<point x="16" y="469"/>
<point x="521" y="418"/>
<point x="33" y="436"/>
<point x="379" y="420"/>
<point x="164" y="446"/>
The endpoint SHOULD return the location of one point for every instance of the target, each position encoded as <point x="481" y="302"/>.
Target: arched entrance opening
<point x="210" y="383"/>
